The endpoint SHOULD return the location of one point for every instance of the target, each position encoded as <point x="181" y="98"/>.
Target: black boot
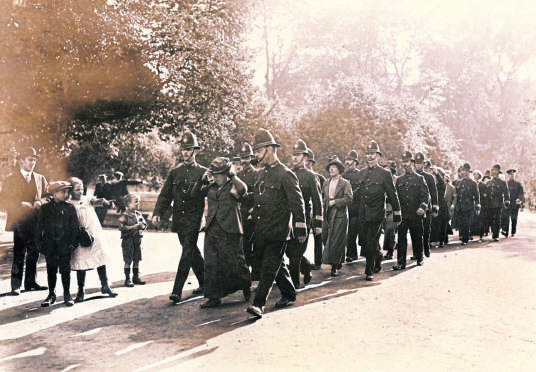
<point x="81" y="279"/>
<point x="66" y="281"/>
<point x="136" y="277"/>
<point x="128" y="283"/>
<point x="105" y="289"/>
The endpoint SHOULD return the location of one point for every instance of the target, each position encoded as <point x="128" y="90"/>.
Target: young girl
<point x="131" y="223"/>
<point x="57" y="230"/>
<point x="87" y="258"/>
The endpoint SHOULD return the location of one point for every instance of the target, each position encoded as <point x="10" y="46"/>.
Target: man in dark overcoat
<point x="433" y="204"/>
<point x="182" y="188"/>
<point x="375" y="184"/>
<point x="23" y="193"/>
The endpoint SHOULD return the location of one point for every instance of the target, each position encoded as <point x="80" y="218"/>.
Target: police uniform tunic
<point x="498" y="198"/>
<point x="352" y="175"/>
<point x="413" y="194"/>
<point x="310" y="190"/>
<point x="277" y="195"/>
<point x="182" y="188"/>
<point x="516" y="192"/>
<point x="432" y="207"/>
<point x="467" y="202"/>
<point x="248" y="175"/>
<point x="374" y="184"/>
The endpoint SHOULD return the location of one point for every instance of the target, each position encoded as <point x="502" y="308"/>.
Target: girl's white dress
<point x="85" y="258"/>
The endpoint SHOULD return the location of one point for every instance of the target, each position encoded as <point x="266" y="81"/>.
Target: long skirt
<point x="334" y="236"/>
<point x="226" y="270"/>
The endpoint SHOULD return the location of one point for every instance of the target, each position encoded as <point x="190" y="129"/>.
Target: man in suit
<point x="375" y="184"/>
<point x="499" y="198"/>
<point x="517" y="198"/>
<point x="23" y="194"/>
<point x="446" y="215"/>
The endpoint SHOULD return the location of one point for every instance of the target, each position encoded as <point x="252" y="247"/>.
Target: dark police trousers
<point x="495" y="221"/>
<point x="507" y="214"/>
<point x="190" y="258"/>
<point x="415" y="227"/>
<point x="369" y="236"/>
<point x="273" y="268"/>
<point x="427" y="228"/>
<point x="297" y="262"/>
<point x="353" y="229"/>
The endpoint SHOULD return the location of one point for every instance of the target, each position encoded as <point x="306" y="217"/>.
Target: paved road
<point x="467" y="308"/>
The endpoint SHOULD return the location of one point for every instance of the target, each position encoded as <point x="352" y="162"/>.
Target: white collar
<point x="25" y="173"/>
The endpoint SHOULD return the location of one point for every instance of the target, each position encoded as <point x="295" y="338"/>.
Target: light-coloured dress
<point x="85" y="258"/>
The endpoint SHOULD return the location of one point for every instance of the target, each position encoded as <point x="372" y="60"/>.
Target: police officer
<point x="479" y="221"/>
<point x="499" y="198"/>
<point x="389" y="232"/>
<point x="310" y="189"/>
<point x="375" y="183"/>
<point x="248" y="175"/>
<point x="433" y="203"/>
<point x="413" y="193"/>
<point x="351" y="173"/>
<point x="318" y="237"/>
<point x="517" y="199"/>
<point x="181" y="188"/>
<point x="277" y="196"/>
<point x="467" y="202"/>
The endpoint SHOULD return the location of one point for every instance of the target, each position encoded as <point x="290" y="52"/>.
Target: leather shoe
<point x="199" y="290"/>
<point x="247" y="293"/>
<point x="413" y="258"/>
<point x="339" y="266"/>
<point x="334" y="272"/>
<point x="420" y="262"/>
<point x="212" y="302"/>
<point x="369" y="278"/>
<point x="34" y="287"/>
<point x="136" y="280"/>
<point x="51" y="298"/>
<point x="398" y="267"/>
<point x="79" y="295"/>
<point x="427" y="252"/>
<point x="68" y="300"/>
<point x="283" y="302"/>
<point x="388" y="257"/>
<point x="176" y="298"/>
<point x="105" y="289"/>
<point x="307" y="278"/>
<point x="128" y="283"/>
<point x="351" y="259"/>
<point x="377" y="269"/>
<point x="15" y="292"/>
<point x="255" y="311"/>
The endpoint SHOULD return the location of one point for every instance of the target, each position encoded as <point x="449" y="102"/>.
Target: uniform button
<point x="258" y="205"/>
<point x="258" y="218"/>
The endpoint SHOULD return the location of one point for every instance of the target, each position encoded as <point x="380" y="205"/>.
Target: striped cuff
<point x="300" y="225"/>
<point x="397" y="213"/>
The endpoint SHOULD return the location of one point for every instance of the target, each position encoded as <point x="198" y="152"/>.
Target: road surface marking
<point x="35" y="352"/>
<point x="340" y="291"/>
<point x="88" y="333"/>
<point x="212" y="321"/>
<point x="72" y="366"/>
<point x="132" y="347"/>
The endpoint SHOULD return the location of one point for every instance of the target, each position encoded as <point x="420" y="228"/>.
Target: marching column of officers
<point x="266" y="211"/>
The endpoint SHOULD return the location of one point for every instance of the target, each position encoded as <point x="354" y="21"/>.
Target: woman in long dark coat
<point x="226" y="270"/>
<point x="337" y="194"/>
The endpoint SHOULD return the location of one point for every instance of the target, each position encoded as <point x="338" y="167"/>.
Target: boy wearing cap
<point x="57" y="236"/>
<point x="23" y="192"/>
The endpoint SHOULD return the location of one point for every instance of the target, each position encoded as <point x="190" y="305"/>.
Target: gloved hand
<point x="420" y="212"/>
